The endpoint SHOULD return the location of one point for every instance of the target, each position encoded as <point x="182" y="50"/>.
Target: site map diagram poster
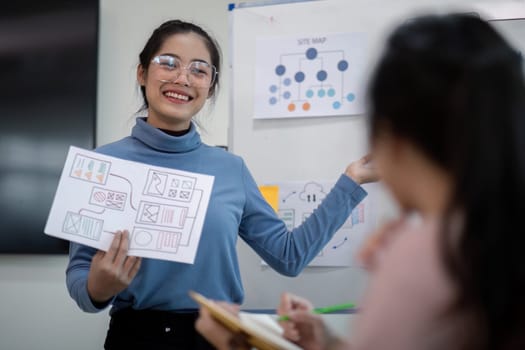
<point x="163" y="208"/>
<point x="310" y="76"/>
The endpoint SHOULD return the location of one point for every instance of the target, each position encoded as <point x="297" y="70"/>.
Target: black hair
<point x="169" y="28"/>
<point x="454" y="87"/>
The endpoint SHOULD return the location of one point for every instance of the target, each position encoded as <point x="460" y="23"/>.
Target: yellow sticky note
<point x="271" y="194"/>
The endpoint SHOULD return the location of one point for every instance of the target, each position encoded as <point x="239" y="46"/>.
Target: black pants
<point x="154" y="330"/>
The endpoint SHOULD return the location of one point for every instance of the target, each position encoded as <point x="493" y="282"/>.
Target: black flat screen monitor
<point x="48" y="75"/>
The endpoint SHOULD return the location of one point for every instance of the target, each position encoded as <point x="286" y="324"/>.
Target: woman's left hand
<point x="362" y="171"/>
<point x="218" y="335"/>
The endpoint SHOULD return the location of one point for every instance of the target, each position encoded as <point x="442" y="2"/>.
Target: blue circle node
<point x="280" y="70"/>
<point x="331" y="92"/>
<point x="273" y="88"/>
<point x="311" y="53"/>
<point x="287" y="95"/>
<point x="350" y="97"/>
<point x="287" y="81"/>
<point x="309" y="93"/>
<point x="299" y="77"/>
<point x="321" y="93"/>
<point x="342" y="65"/>
<point x="322" y="75"/>
<point x="273" y="100"/>
<point x="336" y="105"/>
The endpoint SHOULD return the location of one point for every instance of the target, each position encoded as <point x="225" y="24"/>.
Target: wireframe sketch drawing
<point x="163" y="209"/>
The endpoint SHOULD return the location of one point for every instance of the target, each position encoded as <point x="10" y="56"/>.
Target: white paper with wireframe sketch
<point x="162" y="208"/>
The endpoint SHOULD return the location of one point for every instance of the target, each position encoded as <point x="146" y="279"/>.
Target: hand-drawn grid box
<point x="83" y="226"/>
<point x="143" y="238"/>
<point x="161" y="215"/>
<point x="109" y="199"/>
<point x="90" y="169"/>
<point x="170" y="186"/>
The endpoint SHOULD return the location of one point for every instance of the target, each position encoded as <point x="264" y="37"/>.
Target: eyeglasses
<point x="199" y="74"/>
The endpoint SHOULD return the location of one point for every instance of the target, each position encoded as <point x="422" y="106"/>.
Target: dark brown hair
<point x="454" y="87"/>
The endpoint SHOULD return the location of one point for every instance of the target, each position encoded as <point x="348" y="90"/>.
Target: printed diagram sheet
<point x="310" y="76"/>
<point x="297" y="201"/>
<point x="163" y="208"/>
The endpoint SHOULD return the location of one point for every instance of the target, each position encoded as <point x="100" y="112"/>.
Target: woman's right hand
<point x="112" y="271"/>
<point x="303" y="327"/>
<point x="289" y="304"/>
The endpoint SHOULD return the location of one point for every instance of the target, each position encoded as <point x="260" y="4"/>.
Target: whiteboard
<point x="301" y="149"/>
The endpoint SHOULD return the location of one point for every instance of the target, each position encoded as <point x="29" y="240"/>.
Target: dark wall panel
<point x="48" y="75"/>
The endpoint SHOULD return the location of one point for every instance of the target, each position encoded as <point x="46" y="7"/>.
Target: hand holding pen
<point x="303" y="325"/>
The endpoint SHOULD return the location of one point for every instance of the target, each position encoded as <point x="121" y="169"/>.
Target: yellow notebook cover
<point x="261" y="331"/>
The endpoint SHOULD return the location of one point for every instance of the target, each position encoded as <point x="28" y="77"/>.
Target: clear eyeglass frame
<point x="200" y="74"/>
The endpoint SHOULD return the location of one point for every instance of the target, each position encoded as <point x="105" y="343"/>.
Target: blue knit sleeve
<point x="288" y="252"/>
<point x="77" y="275"/>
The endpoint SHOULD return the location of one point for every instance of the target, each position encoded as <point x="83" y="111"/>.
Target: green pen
<point x="323" y="310"/>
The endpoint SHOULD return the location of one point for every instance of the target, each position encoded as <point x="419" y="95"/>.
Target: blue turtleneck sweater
<point x="236" y="209"/>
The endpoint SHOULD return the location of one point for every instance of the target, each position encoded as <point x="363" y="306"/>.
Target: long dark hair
<point x="454" y="87"/>
<point x="169" y="28"/>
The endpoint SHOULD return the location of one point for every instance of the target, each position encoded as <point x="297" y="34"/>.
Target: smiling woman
<point x="151" y="308"/>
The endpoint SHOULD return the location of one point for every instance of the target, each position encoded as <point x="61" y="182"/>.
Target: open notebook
<point x="261" y="331"/>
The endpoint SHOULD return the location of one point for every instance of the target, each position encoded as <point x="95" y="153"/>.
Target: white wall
<point x="35" y="309"/>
